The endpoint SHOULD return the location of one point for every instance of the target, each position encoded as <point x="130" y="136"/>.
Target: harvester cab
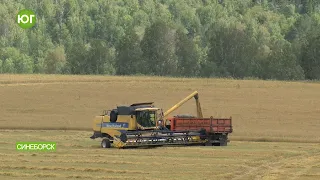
<point x="134" y="117"/>
<point x="149" y="118"/>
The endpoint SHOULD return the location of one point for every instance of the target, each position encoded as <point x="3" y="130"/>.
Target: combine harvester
<point x="143" y="124"/>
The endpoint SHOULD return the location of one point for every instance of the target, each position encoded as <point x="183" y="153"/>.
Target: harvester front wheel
<point x="105" y="143"/>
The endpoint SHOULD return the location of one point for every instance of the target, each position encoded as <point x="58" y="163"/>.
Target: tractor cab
<point x="149" y="117"/>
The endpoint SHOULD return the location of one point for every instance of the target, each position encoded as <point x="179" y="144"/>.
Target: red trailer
<point x="216" y="129"/>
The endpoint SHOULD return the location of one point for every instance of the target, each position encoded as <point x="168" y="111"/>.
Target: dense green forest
<point x="266" y="39"/>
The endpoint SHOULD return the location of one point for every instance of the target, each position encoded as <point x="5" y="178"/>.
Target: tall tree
<point x="158" y="47"/>
<point x="231" y="50"/>
<point x="129" y="54"/>
<point x="188" y="56"/>
<point x="100" y="58"/>
<point x="77" y="58"/>
<point x="311" y="55"/>
<point x="55" y="61"/>
<point x="282" y="63"/>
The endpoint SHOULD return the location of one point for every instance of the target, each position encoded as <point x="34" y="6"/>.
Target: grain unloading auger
<point x="143" y="124"/>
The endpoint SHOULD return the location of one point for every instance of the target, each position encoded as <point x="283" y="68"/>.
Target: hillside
<point x="265" y="39"/>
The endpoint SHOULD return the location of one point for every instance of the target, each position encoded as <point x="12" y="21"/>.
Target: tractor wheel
<point x="105" y="143"/>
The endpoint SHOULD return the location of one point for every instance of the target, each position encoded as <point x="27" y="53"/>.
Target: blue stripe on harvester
<point x="114" y="125"/>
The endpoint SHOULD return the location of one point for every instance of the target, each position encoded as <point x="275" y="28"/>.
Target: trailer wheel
<point x="223" y="140"/>
<point x="223" y="143"/>
<point x="105" y="143"/>
<point x="216" y="144"/>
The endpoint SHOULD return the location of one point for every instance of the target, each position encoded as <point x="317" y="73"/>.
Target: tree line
<point x="265" y="39"/>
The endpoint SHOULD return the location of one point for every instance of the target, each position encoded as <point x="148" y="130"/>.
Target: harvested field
<point x="261" y="110"/>
<point x="79" y="157"/>
<point x="276" y="128"/>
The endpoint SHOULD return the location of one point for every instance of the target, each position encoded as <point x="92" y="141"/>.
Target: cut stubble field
<point x="60" y="108"/>
<point x="81" y="158"/>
